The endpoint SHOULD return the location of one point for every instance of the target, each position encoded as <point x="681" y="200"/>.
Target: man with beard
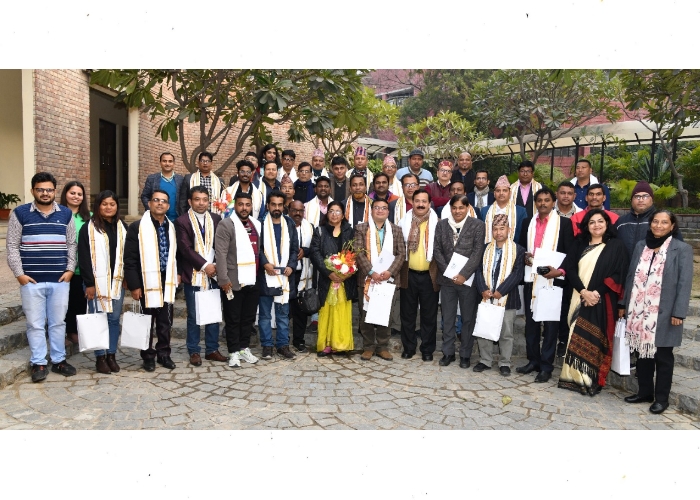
<point x="244" y="184"/>
<point x="41" y="252"/>
<point x="595" y="198"/>
<point x="503" y="204"/>
<point x="380" y="190"/>
<point x="202" y="177"/>
<point x="481" y="196"/>
<point x="415" y="167"/>
<point x="464" y="172"/>
<point x="357" y="206"/>
<point x="236" y="246"/>
<point x="318" y="165"/>
<point x="522" y="192"/>
<point x="279" y="248"/>
<point x="267" y="184"/>
<point x="565" y="205"/>
<point x="400" y="207"/>
<point x="303" y="275"/>
<point x="360" y="161"/>
<point x="167" y="180"/>
<point x="195" y="246"/>
<point x="315" y="210"/>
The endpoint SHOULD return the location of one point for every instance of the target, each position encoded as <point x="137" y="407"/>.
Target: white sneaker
<point x="234" y="360"/>
<point x="247" y="356"/>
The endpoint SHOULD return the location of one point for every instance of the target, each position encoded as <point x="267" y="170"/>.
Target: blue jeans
<point x="281" y="318"/>
<point x="44" y="302"/>
<point x="112" y="323"/>
<point x="211" y="331"/>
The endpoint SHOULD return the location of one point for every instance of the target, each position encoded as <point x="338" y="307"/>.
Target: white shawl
<point x="349" y="206"/>
<point x="245" y="257"/>
<point x="307" y="232"/>
<point x="508" y="256"/>
<point x="515" y="189"/>
<point x="369" y="178"/>
<point x="202" y="246"/>
<point x="195" y="180"/>
<point x="312" y="210"/>
<point x="292" y="174"/>
<point x="255" y="194"/>
<point x="512" y="220"/>
<point x="399" y="210"/>
<point x="430" y="233"/>
<point x="550" y="240"/>
<point x="324" y="173"/>
<point x="270" y="249"/>
<point x="107" y="287"/>
<point x="395" y="187"/>
<point x="154" y="294"/>
<point x="380" y="261"/>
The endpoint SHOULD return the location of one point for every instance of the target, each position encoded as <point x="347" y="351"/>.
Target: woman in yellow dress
<point x="335" y="317"/>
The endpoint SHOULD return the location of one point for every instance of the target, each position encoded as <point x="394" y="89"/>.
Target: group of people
<point x="266" y="237"/>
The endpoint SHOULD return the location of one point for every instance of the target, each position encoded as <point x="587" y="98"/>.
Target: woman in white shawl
<point x="101" y="259"/>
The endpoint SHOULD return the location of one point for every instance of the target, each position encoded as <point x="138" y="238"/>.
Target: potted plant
<point x="5" y="201"/>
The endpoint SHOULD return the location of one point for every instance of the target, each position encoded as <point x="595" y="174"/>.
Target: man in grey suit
<point x="464" y="236"/>
<point x="168" y="181"/>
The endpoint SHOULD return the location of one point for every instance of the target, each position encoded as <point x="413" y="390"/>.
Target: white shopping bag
<point x="136" y="329"/>
<point x="546" y="305"/>
<point x="208" y="306"/>
<point x="489" y="320"/>
<point x="621" y="350"/>
<point x="521" y="292"/>
<point x="93" y="331"/>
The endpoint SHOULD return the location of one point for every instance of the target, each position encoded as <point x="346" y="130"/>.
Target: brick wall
<point x="62" y="125"/>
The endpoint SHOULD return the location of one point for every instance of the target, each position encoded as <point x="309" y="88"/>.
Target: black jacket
<point x="132" y="255"/>
<point x="632" y="228"/>
<point x="564" y="245"/>
<point x="84" y="259"/>
<point x="322" y="246"/>
<point x="292" y="262"/>
<point x="510" y="284"/>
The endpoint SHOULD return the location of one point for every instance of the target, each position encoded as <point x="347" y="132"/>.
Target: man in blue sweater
<point x="41" y="246"/>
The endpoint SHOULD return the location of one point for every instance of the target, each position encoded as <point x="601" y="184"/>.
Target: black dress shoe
<point x="561" y="349"/>
<point x="505" y="371"/>
<point x="658" y="407"/>
<point x="166" y="362"/>
<point x="407" y="354"/>
<point x="149" y="365"/>
<point x="427" y="357"/>
<point x="395" y="332"/>
<point x="446" y="360"/>
<point x="464" y="362"/>
<point x="636" y="398"/>
<point x="480" y="367"/>
<point x="543" y="377"/>
<point x="528" y="368"/>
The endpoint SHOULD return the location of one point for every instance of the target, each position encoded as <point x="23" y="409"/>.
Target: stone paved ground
<point x="313" y="393"/>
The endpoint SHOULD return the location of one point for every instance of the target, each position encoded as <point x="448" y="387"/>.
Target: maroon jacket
<point x="186" y="256"/>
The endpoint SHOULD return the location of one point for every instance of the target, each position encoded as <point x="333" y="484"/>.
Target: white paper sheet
<point x="545" y="257"/>
<point x="379" y="304"/>
<point x="457" y="262"/>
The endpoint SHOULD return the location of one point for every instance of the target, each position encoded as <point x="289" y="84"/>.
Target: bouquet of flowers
<point x="225" y="204"/>
<point x="342" y="264"/>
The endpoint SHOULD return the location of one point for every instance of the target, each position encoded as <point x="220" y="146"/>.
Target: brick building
<point x="55" y="121"/>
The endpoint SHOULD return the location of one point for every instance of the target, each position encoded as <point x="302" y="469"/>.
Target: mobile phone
<point x="229" y="295"/>
<point x="542" y="270"/>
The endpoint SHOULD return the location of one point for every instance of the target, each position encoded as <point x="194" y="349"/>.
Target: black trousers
<point x="564" y="319"/>
<point x="419" y="291"/>
<point x="534" y="330"/>
<point x="161" y="326"/>
<point x="76" y="303"/>
<point x="299" y="319"/>
<point x="662" y="363"/>
<point x="239" y="314"/>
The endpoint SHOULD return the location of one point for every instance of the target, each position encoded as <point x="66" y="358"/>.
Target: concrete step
<point x="685" y="390"/>
<point x="10" y="310"/>
<point x="688" y="355"/>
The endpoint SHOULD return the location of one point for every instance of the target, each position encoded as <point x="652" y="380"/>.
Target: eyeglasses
<point x="287" y="158"/>
<point x="410" y="185"/>
<point x="445" y="171"/>
<point x="335" y="212"/>
<point x="381" y="209"/>
<point x="204" y="162"/>
<point x="43" y="190"/>
<point x="159" y="200"/>
<point x="640" y="197"/>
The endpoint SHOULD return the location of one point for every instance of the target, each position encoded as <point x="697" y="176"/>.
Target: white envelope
<point x="457" y="262"/>
<point x="379" y="303"/>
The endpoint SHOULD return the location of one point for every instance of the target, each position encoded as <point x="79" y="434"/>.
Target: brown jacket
<point x="363" y="254"/>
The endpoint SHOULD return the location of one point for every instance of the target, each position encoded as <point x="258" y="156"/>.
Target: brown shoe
<point x="101" y="365"/>
<point x="384" y="354"/>
<point x="216" y="356"/>
<point x="366" y="355"/>
<point x="196" y="359"/>
<point x="112" y="363"/>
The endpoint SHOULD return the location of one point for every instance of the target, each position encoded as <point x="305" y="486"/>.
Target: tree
<point x="355" y="115"/>
<point x="532" y="102"/>
<point x="236" y="105"/>
<point x="441" y="90"/>
<point x="444" y="135"/>
<point x="665" y="102"/>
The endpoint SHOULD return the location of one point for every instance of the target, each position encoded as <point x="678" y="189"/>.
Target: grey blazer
<point x="676" y="285"/>
<point x="225" y="252"/>
<point x="470" y="244"/>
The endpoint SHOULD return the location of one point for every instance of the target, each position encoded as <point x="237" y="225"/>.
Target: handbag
<point x="547" y="304"/>
<point x="93" y="330"/>
<point x="308" y="301"/>
<point x="208" y="306"/>
<point x="489" y="321"/>
<point x="621" y="350"/>
<point x="136" y="329"/>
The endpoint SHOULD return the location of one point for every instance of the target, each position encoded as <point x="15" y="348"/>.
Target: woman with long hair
<point x="73" y="197"/>
<point x="270" y="153"/>
<point x="596" y="268"/>
<point x="334" y="320"/>
<point x="101" y="258"/>
<point x="657" y="295"/>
